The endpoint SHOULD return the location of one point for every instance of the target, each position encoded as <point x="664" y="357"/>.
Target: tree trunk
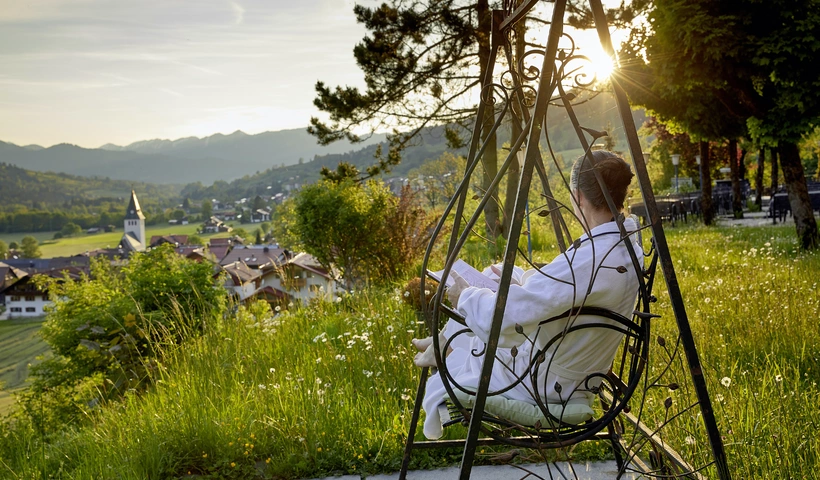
<point x="737" y="202"/>
<point x="741" y="166"/>
<point x="799" y="200"/>
<point x="775" y="174"/>
<point x="761" y="161"/>
<point x="490" y="158"/>
<point x="514" y="173"/>
<point x="706" y="187"/>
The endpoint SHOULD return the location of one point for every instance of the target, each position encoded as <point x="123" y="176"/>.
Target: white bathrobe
<point x="559" y="286"/>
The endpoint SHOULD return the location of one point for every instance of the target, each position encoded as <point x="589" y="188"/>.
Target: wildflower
<point x="778" y="378"/>
<point x="272" y="370"/>
<point x="262" y="387"/>
<point x="319" y="360"/>
<point x="406" y="294"/>
<point x="707" y="300"/>
<point x="290" y="304"/>
<point x="267" y="460"/>
<point x="726" y="382"/>
<point x="278" y="308"/>
<point x="204" y="455"/>
<point x="233" y="465"/>
<point x="719" y="397"/>
<point x="341" y="358"/>
<point x="690" y="440"/>
<point x="390" y="328"/>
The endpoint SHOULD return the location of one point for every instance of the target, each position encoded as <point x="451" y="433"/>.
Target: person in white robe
<point x="596" y="271"/>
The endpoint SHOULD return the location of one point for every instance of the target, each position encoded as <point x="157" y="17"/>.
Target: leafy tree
<point x="71" y="229"/>
<point x="195" y="240"/>
<point x="362" y="230"/>
<point x="265" y="226"/>
<point x="440" y="178"/>
<point x="186" y="204"/>
<point x="4" y="250"/>
<point x="258" y="203"/>
<point x="179" y="214"/>
<point x="258" y="239"/>
<point x="730" y="64"/>
<point x="207" y="209"/>
<point x="14" y="245"/>
<point x="30" y="248"/>
<point x="420" y="61"/>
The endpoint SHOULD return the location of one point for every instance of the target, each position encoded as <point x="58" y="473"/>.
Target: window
<point x="16" y="309"/>
<point x="14" y="299"/>
<point x="31" y="309"/>
<point x="29" y="298"/>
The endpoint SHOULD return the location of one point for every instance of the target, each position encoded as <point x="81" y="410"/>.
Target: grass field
<point x="19" y="346"/>
<point x="65" y="247"/>
<point x="327" y="389"/>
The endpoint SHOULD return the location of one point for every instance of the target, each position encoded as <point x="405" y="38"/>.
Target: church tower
<point x="134" y="225"/>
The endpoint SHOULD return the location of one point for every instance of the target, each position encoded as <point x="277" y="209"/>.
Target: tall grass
<point x="328" y="388"/>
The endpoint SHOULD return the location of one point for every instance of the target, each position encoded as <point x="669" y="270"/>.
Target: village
<point x="251" y="272"/>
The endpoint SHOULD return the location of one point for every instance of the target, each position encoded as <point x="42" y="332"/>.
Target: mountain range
<point x="186" y="160"/>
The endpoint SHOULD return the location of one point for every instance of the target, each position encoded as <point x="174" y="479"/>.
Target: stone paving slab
<point x="584" y="471"/>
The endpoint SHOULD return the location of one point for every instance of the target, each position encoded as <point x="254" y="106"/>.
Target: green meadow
<point x="19" y="346"/>
<point x="327" y="388"/>
<point x="69" y="246"/>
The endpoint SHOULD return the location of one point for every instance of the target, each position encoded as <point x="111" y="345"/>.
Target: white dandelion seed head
<point x="726" y="382"/>
<point x="778" y="378"/>
<point x="406" y="294"/>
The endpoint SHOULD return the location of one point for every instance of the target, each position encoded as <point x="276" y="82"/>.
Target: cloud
<point x="238" y="13"/>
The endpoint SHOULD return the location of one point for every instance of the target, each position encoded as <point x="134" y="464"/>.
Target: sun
<point x="602" y="65"/>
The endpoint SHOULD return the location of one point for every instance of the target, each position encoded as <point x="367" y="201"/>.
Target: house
<point x="260" y="215"/>
<point x="257" y="256"/>
<point x="241" y="280"/>
<point x="301" y="277"/>
<point x="175" y="240"/>
<point x="215" y="225"/>
<point x="182" y="221"/>
<point x="19" y="292"/>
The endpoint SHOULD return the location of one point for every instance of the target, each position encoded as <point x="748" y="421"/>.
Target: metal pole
<point x="532" y="155"/>
<point x="667" y="266"/>
<point x="677" y="185"/>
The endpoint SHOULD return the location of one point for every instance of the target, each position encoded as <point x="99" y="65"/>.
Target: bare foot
<point x="421" y="344"/>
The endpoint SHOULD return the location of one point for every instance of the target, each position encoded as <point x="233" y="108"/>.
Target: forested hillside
<point x="45" y="201"/>
<point x="594" y="111"/>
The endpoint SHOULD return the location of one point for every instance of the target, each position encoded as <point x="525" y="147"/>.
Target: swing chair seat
<point x="519" y="412"/>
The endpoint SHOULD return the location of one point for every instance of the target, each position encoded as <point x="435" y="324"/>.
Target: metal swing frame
<point x="664" y="461"/>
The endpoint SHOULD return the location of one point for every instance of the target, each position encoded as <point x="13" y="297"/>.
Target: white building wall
<point x="17" y="307"/>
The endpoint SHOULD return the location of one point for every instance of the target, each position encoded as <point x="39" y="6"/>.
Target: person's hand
<point x="459" y="284"/>
<point x="497" y="271"/>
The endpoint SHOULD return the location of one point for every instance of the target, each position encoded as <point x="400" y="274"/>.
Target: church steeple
<point x="133" y="212"/>
<point x="134" y="226"/>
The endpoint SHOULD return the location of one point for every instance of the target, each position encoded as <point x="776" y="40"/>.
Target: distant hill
<point x="217" y="157"/>
<point x="47" y="190"/>
<point x="598" y="113"/>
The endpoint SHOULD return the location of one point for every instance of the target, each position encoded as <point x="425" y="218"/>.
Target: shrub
<point x="108" y="329"/>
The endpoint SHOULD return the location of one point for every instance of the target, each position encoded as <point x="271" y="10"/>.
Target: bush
<point x="108" y="329"/>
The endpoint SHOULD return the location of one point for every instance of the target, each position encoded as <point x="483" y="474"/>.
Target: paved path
<point x="584" y="471"/>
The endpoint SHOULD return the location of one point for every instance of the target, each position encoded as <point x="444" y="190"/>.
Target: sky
<point x="90" y="72"/>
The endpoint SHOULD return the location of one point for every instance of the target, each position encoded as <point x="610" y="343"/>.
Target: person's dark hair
<point x="614" y="171"/>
